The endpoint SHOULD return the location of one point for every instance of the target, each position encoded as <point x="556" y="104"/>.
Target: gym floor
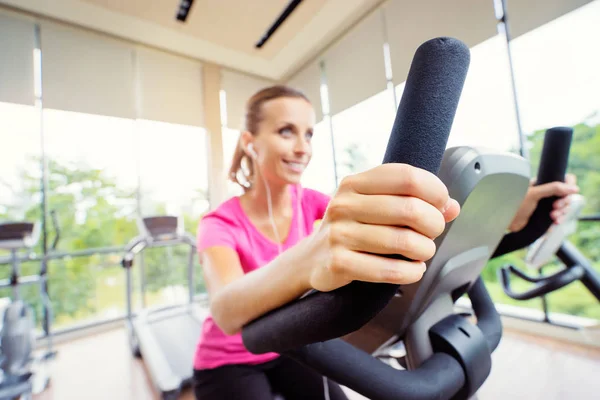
<point x="525" y="367"/>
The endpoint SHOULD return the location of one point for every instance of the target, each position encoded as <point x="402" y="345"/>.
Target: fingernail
<point x="447" y="206"/>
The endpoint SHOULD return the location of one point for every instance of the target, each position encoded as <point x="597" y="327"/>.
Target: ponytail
<point x="241" y="170"/>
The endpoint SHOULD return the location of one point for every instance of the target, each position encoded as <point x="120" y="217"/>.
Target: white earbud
<point x="251" y="151"/>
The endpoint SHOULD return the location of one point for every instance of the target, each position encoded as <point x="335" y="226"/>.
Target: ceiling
<point x="233" y="24"/>
<point x="223" y="32"/>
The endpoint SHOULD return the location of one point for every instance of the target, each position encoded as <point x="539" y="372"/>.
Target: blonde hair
<point x="241" y="170"/>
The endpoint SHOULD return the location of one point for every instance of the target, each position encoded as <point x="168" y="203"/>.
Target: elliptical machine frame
<point x="24" y="372"/>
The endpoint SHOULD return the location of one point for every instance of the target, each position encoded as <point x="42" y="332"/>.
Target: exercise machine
<point x="23" y="373"/>
<point x="554" y="243"/>
<point x="447" y="356"/>
<point x="166" y="337"/>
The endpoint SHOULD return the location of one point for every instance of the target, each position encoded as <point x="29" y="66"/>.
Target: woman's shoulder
<point x="219" y="227"/>
<point x="226" y="212"/>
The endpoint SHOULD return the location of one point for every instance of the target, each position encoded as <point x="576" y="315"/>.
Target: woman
<point x="259" y="250"/>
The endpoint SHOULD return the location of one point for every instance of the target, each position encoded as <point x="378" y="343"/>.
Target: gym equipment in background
<point x="23" y="372"/>
<point x="553" y="240"/>
<point x="554" y="243"/>
<point x="165" y="337"/>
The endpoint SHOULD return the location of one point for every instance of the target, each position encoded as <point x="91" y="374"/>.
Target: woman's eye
<point x="285" y="131"/>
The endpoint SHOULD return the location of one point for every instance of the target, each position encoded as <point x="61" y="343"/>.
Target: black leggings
<point x="282" y="376"/>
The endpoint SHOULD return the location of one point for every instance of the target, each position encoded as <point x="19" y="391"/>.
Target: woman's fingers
<point x="556" y="188"/>
<point x="562" y="203"/>
<point x="400" y="211"/>
<point x="571" y="179"/>
<point x="556" y="215"/>
<point x="399" y="180"/>
<point x="391" y="209"/>
<point x="379" y="239"/>
<point x="373" y="268"/>
<point x="452" y="211"/>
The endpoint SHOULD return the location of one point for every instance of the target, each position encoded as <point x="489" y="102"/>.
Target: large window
<point x="20" y="162"/>
<point x="556" y="72"/>
<point x="82" y="107"/>
<point x="173" y="172"/>
<point x="173" y="180"/>
<point x="92" y="177"/>
<point x="361" y="133"/>
<point x="20" y="182"/>
<point x="230" y="142"/>
<point x="320" y="173"/>
<point x="486" y="115"/>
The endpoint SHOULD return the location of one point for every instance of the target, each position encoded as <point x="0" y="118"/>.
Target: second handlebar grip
<point x="555" y="155"/>
<point x="553" y="167"/>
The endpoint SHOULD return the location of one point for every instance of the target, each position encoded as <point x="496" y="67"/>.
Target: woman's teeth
<point x="295" y="165"/>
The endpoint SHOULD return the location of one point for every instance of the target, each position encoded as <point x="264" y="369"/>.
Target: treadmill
<point x="164" y="337"/>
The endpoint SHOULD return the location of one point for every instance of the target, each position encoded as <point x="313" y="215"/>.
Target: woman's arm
<point x="391" y="209"/>
<point x="237" y="298"/>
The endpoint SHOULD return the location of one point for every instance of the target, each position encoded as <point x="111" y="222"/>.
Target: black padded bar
<point x="428" y="105"/>
<point x="440" y="377"/>
<point x="590" y="218"/>
<point x="418" y="138"/>
<point x="571" y="256"/>
<point x="543" y="285"/>
<point x="553" y="166"/>
<point x="488" y="319"/>
<point x="524" y="276"/>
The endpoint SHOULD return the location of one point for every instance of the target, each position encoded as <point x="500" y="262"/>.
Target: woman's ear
<point x="245" y="139"/>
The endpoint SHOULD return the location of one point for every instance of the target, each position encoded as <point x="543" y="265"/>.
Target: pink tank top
<point x="229" y="226"/>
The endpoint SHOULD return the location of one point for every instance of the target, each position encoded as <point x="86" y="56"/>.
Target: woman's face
<point x="283" y="142"/>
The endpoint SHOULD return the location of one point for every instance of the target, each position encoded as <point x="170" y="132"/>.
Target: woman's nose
<point x="302" y="146"/>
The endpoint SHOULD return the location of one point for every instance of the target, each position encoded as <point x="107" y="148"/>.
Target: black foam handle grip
<point x="419" y="137"/>
<point x="555" y="155"/>
<point x="553" y="167"/>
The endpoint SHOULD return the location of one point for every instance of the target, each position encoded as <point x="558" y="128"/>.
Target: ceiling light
<point x="184" y="9"/>
<point x="284" y="15"/>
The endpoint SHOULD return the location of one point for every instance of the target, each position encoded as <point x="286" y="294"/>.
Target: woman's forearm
<point x="264" y="289"/>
